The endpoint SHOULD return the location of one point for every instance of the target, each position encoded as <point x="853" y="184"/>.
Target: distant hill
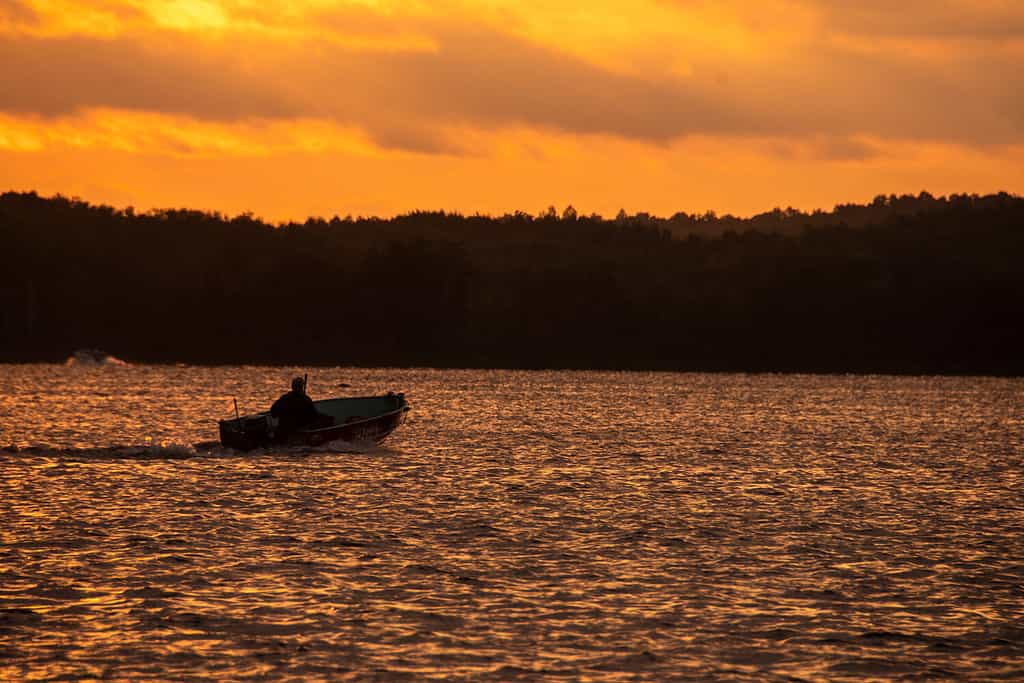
<point x="910" y="284"/>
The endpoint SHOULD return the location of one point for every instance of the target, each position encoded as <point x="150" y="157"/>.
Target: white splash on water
<point x="94" y="357"/>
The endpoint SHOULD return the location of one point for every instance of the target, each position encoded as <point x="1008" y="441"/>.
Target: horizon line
<point x="709" y="214"/>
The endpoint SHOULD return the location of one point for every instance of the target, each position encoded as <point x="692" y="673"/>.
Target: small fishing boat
<point x="358" y="419"/>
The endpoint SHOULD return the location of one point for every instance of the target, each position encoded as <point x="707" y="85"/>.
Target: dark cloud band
<point x="484" y="79"/>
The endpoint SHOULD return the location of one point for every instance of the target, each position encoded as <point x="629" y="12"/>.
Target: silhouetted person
<point x="293" y="410"/>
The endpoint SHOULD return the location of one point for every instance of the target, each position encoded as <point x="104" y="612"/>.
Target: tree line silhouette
<point x="909" y="284"/>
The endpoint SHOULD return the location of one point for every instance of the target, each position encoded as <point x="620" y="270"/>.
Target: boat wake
<point x="167" y="451"/>
<point x="181" y="451"/>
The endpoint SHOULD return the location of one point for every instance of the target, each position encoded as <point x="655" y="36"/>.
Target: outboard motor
<point x="247" y="433"/>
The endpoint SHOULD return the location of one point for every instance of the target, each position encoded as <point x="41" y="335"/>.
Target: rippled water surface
<point x="520" y="525"/>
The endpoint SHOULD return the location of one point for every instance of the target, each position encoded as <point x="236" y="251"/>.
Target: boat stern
<point x="246" y="433"/>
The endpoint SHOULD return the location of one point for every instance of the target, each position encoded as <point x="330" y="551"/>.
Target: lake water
<point x="519" y="526"/>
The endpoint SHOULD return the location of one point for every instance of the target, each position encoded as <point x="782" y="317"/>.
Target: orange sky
<point x="376" y="107"/>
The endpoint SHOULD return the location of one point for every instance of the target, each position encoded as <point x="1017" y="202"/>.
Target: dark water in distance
<point x="519" y="526"/>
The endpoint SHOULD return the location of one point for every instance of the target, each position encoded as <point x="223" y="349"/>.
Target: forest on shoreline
<point x="904" y="284"/>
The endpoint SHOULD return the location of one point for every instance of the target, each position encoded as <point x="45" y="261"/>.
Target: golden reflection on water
<point x="605" y="526"/>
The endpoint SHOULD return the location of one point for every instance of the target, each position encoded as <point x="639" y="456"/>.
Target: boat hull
<point x="367" y="419"/>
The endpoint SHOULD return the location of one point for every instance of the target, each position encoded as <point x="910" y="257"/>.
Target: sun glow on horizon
<point x="493" y="105"/>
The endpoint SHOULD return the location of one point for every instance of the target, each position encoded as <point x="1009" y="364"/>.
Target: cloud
<point x="460" y="74"/>
<point x="931" y="19"/>
<point x="56" y="76"/>
<point x="827" y="148"/>
<point x="488" y="79"/>
<point x="17" y="12"/>
<point x="473" y="78"/>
